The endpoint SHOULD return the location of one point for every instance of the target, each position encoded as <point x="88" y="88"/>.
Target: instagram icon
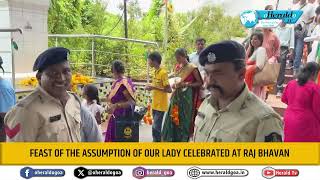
<point x="139" y="172"/>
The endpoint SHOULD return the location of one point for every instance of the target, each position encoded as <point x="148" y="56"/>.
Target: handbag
<point x="300" y="31"/>
<point x="268" y="75"/>
<point x="127" y="129"/>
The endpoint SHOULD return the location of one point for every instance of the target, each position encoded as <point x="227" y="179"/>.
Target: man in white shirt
<point x="294" y="4"/>
<point x="313" y="23"/>
<point x="194" y="58"/>
<point x="315" y="5"/>
<point x="301" y="31"/>
<point x="285" y="34"/>
<point x="314" y="38"/>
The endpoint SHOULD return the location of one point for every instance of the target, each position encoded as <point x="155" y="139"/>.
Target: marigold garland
<point x="148" y="118"/>
<point x="175" y="115"/>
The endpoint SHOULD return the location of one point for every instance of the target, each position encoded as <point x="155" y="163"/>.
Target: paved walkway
<point x="275" y="102"/>
<point x="145" y="133"/>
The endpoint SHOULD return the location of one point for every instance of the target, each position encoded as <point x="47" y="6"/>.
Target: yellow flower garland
<point x="75" y="81"/>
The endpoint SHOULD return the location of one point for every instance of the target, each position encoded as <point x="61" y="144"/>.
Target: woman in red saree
<point x="185" y="100"/>
<point x="256" y="59"/>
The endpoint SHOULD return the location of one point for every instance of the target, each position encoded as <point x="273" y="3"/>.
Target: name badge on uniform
<point x="55" y="118"/>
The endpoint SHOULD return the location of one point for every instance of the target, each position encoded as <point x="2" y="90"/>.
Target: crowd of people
<point x="215" y="95"/>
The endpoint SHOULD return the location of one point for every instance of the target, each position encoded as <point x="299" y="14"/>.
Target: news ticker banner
<point x="76" y="172"/>
<point x="160" y="153"/>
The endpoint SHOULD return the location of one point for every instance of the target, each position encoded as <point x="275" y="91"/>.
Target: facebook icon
<point x="26" y="172"/>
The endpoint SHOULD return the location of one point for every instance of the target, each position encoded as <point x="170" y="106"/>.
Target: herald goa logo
<point x="270" y="172"/>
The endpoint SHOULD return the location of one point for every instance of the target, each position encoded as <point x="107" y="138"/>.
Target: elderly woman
<point x="121" y="100"/>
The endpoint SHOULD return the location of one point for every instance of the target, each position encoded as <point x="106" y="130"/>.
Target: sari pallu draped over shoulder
<point x="116" y="95"/>
<point x="183" y="104"/>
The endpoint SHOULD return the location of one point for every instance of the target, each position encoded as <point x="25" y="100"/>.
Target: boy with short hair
<point x="160" y="88"/>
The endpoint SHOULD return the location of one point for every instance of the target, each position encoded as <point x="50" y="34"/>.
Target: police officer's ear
<point x="38" y="76"/>
<point x="240" y="68"/>
<point x="242" y="73"/>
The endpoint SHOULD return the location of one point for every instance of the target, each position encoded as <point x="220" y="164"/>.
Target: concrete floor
<point x="145" y="133"/>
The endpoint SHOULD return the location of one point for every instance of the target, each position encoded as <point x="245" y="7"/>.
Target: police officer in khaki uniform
<point x="50" y="113"/>
<point x="232" y="113"/>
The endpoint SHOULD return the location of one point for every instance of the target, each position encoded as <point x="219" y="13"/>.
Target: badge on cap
<point x="211" y="57"/>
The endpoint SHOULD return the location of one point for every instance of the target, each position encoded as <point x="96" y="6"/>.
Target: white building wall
<point x="18" y="14"/>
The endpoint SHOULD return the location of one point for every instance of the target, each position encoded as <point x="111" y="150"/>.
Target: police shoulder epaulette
<point x="28" y="99"/>
<point x="75" y="96"/>
<point x="243" y="106"/>
<point x="250" y="97"/>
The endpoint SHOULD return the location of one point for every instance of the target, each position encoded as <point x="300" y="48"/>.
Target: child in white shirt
<point x="92" y="101"/>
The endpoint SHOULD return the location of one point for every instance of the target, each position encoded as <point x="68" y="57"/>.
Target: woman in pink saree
<point x="121" y="102"/>
<point x="302" y="117"/>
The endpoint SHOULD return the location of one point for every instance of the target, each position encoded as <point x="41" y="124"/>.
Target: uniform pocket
<point x="57" y="131"/>
<point x="76" y="125"/>
<point x="198" y="125"/>
<point x="200" y="120"/>
<point x="221" y="135"/>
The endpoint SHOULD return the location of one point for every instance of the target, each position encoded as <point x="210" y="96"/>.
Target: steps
<point x="288" y="77"/>
<point x="289" y="71"/>
<point x="276" y="104"/>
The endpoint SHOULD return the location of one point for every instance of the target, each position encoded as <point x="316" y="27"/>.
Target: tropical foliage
<point x="92" y="17"/>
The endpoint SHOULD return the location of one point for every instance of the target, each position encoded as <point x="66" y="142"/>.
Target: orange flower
<point x="175" y="115"/>
<point x="148" y="118"/>
<point x="145" y="119"/>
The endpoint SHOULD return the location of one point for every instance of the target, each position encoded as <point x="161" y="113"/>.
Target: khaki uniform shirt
<point x="41" y="118"/>
<point x="246" y="119"/>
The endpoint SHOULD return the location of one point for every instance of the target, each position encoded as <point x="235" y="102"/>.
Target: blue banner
<point x="288" y="16"/>
<point x="250" y="18"/>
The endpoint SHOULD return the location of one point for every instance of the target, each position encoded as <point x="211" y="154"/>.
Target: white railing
<point x="93" y="50"/>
